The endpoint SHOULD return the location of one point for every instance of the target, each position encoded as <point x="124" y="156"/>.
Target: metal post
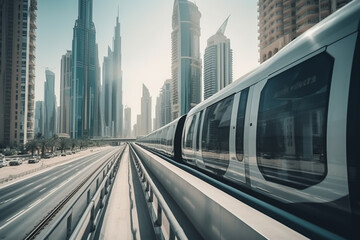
<point x="159" y="215"/>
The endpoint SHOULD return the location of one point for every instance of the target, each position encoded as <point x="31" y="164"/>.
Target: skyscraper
<point x="83" y="73"/>
<point x="112" y="79"/>
<point x="65" y="86"/>
<point x="49" y="105"/>
<point x="127" y="125"/>
<point x="185" y="59"/>
<point x="282" y="21"/>
<point x="39" y="118"/>
<point x="17" y="70"/>
<point x="97" y="131"/>
<point x="145" y="112"/>
<point x="217" y="62"/>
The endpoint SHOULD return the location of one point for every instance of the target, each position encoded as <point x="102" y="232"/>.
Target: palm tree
<point x="32" y="145"/>
<point x="64" y="143"/>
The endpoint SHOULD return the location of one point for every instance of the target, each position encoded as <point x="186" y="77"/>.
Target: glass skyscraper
<point x="186" y="62"/>
<point x="217" y="62"/>
<point x="112" y="81"/>
<point x="50" y="105"/>
<point x="84" y="83"/>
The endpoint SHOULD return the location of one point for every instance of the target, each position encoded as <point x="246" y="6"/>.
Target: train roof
<point x="343" y="22"/>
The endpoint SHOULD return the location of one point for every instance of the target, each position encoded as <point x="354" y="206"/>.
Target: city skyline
<point x="136" y="16"/>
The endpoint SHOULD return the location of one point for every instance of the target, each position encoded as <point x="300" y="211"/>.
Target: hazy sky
<point x="146" y="39"/>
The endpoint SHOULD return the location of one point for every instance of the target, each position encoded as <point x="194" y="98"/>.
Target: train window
<point x="240" y="125"/>
<point x="215" y="134"/>
<point x="291" y="128"/>
<point x="189" y="130"/>
<point x="198" y="132"/>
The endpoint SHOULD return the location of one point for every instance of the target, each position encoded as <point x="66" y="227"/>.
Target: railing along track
<point x="63" y="202"/>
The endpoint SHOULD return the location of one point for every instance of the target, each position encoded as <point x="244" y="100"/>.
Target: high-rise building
<point x="39" y="118"/>
<point x="49" y="105"/>
<point x="185" y="57"/>
<point x="217" y="62"/>
<point x="165" y="110"/>
<point x="163" y="106"/>
<point x="112" y="80"/>
<point x="17" y="70"/>
<point x="97" y="131"/>
<point x="83" y="72"/>
<point x="145" y="112"/>
<point x="57" y="128"/>
<point x="157" y="117"/>
<point x="65" y="97"/>
<point x="127" y="125"/>
<point x="281" y="21"/>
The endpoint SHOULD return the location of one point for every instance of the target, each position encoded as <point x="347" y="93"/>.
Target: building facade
<point x="217" y="62"/>
<point x="281" y="21"/>
<point x="83" y="73"/>
<point x="49" y="105"/>
<point x="39" y="118"/>
<point x="185" y="57"/>
<point x="146" y="122"/>
<point x="65" y="96"/>
<point x="17" y="70"/>
<point x="112" y="88"/>
<point x="127" y="122"/>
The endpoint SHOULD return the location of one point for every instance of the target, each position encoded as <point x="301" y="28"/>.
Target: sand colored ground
<point x="10" y="173"/>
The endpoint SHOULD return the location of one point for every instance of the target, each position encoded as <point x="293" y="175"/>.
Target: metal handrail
<point x="150" y="186"/>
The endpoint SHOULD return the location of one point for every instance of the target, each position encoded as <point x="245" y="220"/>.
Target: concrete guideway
<point x="132" y="214"/>
<point x="126" y="216"/>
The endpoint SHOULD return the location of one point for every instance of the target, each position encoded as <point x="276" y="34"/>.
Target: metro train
<point x="289" y="130"/>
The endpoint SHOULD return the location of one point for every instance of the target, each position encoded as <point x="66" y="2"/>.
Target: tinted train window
<point x="240" y="121"/>
<point x="198" y="132"/>
<point x="215" y="133"/>
<point x="189" y="130"/>
<point x="291" y="129"/>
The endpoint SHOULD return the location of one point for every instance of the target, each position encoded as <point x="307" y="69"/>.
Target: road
<point x="25" y="203"/>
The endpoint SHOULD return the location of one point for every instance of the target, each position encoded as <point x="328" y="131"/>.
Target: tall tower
<point x="185" y="59"/>
<point x="127" y="122"/>
<point x="50" y="105"/>
<point x="117" y="83"/>
<point x="217" y="62"/>
<point x="112" y="77"/>
<point x="145" y="112"/>
<point x="83" y="73"/>
<point x="17" y="70"/>
<point x="65" y="86"/>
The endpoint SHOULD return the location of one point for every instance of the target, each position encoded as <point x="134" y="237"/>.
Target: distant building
<point x="145" y="112"/>
<point x="17" y="70"/>
<point x="281" y="21"/>
<point x="185" y="59"/>
<point x="39" y="118"/>
<point x="217" y="62"/>
<point x="98" y="120"/>
<point x="57" y="129"/>
<point x="49" y="105"/>
<point x="127" y="125"/>
<point x="83" y="73"/>
<point x="157" y="117"/>
<point x="65" y="97"/>
<point x="112" y="88"/>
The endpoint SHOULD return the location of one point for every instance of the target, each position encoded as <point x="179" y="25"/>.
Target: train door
<point x="238" y="140"/>
<point x="298" y="141"/>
